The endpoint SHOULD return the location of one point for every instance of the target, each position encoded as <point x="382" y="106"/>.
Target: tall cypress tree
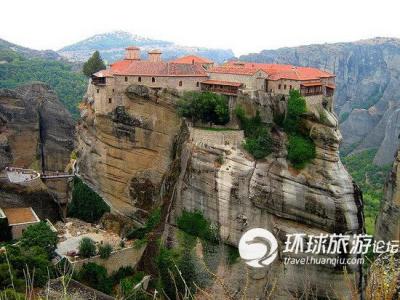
<point x="94" y="64"/>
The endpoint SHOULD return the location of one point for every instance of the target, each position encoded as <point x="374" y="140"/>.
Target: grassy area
<point x="371" y="179"/>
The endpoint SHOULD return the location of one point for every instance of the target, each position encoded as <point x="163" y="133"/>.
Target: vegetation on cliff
<point x="205" y="107"/>
<point x="93" y="64"/>
<point x="68" y="84"/>
<point x="301" y="148"/>
<point x="258" y="140"/>
<point x="371" y="179"/>
<point x="86" y="204"/>
<point x="31" y="256"/>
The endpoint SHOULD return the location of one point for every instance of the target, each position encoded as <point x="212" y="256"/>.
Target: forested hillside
<point x="19" y="67"/>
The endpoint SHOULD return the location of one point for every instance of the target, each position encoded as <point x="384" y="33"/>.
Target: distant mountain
<point x="112" y="46"/>
<point x="367" y="95"/>
<point x="12" y="49"/>
<point x="20" y="65"/>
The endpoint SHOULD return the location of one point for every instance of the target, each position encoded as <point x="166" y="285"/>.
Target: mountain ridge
<point x="111" y="46"/>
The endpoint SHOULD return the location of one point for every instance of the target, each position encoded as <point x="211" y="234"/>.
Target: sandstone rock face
<point x="125" y="154"/>
<point x="388" y="222"/>
<point x="237" y="193"/>
<point x="33" y="121"/>
<point x="367" y="79"/>
<point x="32" y="117"/>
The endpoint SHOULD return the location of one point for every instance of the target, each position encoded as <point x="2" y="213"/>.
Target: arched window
<point x="284" y="87"/>
<point x="139" y="79"/>
<point x="279" y="86"/>
<point x="126" y="78"/>
<point x="109" y="100"/>
<point x="180" y="83"/>
<point x="153" y="79"/>
<point x="197" y="84"/>
<point x="98" y="91"/>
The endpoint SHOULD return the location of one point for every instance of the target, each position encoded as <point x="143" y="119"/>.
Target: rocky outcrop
<point x="387" y="226"/>
<point x="37" y="132"/>
<point x="367" y="78"/>
<point x="127" y="157"/>
<point x="237" y="193"/>
<point x="125" y="154"/>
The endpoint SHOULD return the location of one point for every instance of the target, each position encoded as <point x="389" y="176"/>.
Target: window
<point x="109" y="100"/>
<point x="113" y="90"/>
<point x="284" y="87"/>
<point x="197" y="84"/>
<point x="139" y="79"/>
<point x="180" y="83"/>
<point x="290" y="87"/>
<point x="279" y="86"/>
<point x="126" y="78"/>
<point x="153" y="79"/>
<point x="98" y="91"/>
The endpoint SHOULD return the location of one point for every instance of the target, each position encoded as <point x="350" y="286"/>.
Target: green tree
<point x="93" y="65"/>
<point x="105" y="251"/>
<point x="300" y="150"/>
<point x="295" y="109"/>
<point x="87" y="247"/>
<point x="96" y="277"/>
<point x="86" y="204"/>
<point x="204" y="106"/>
<point x="40" y="235"/>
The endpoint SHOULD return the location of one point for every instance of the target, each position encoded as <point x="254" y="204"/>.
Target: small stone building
<point x="19" y="219"/>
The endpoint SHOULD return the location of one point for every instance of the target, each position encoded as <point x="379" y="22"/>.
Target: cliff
<point x="366" y="97"/>
<point x="387" y="226"/>
<point x="36" y="131"/>
<point x="125" y="155"/>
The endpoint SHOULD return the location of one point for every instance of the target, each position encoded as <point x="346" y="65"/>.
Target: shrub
<point x="105" y="251"/>
<point x="153" y="220"/>
<point x="204" y="106"/>
<point x="86" y="204"/>
<point x="121" y="273"/>
<point x="300" y="150"/>
<point x="165" y="262"/>
<point x="128" y="284"/>
<point x="87" y="247"/>
<point x="40" y="235"/>
<point x="258" y="140"/>
<point x="196" y="224"/>
<point x="96" y="277"/>
<point x="10" y="294"/>
<point x="33" y="259"/>
<point x="296" y="107"/>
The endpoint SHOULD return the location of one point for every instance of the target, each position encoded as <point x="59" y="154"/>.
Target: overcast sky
<point x="244" y="26"/>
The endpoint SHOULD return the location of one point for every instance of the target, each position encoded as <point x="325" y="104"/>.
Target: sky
<point x="243" y="26"/>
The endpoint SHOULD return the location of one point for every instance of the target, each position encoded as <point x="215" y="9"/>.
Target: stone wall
<point x="119" y="258"/>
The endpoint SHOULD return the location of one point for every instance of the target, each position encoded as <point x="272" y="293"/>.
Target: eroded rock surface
<point x="388" y="221"/>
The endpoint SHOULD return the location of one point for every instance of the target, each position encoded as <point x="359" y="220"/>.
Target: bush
<point x="121" y="273"/>
<point x="87" y="247"/>
<point x="204" y="106"/>
<point x="300" y="150"/>
<point x="96" y="277"/>
<point x="40" y="235"/>
<point x="258" y="140"/>
<point x="194" y="223"/>
<point x="295" y="109"/>
<point x="86" y="204"/>
<point x="33" y="259"/>
<point x="153" y="220"/>
<point x="105" y="251"/>
<point x="128" y="284"/>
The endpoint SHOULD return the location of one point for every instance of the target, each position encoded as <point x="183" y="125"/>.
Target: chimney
<point x="155" y="55"/>
<point x="132" y="53"/>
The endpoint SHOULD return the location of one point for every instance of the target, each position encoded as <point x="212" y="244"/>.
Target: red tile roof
<point x="132" y="48"/>
<point x="20" y="215"/>
<point x="312" y="83"/>
<point x="220" y="82"/>
<point x="149" y="68"/>
<point x="227" y="69"/>
<point x="192" y="59"/>
<point x="279" y="71"/>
